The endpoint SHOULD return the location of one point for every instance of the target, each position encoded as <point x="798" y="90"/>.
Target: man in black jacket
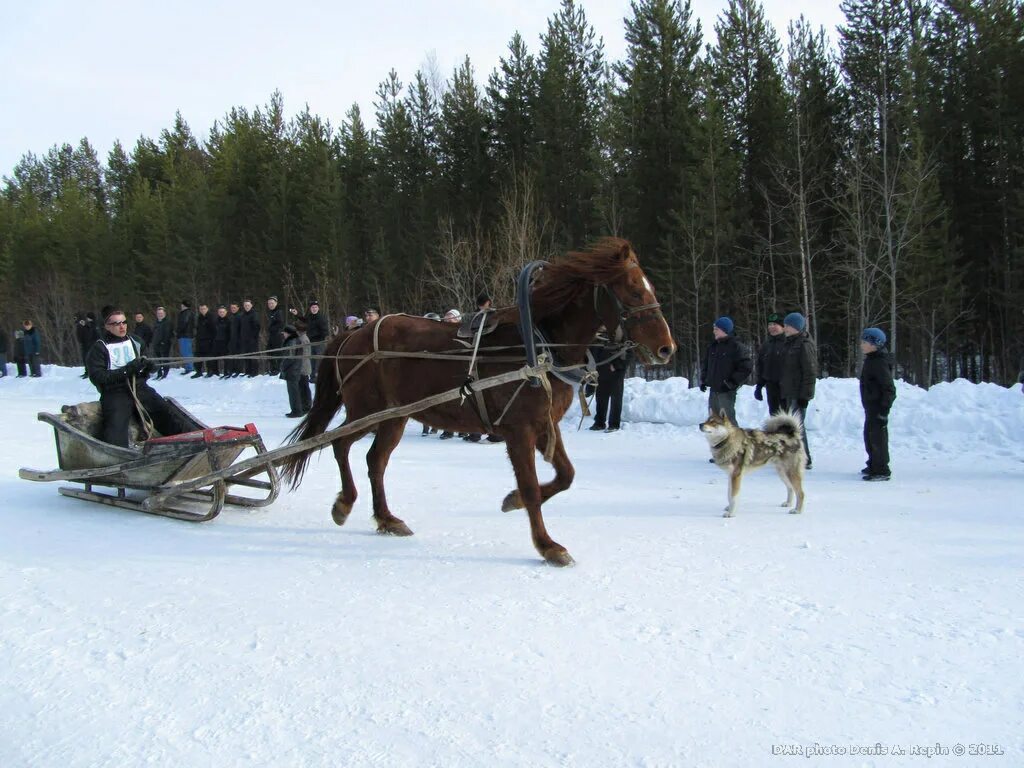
<point x="221" y="338"/>
<point x="117" y="369"/>
<point x="162" y="341"/>
<point x="233" y="368"/>
<point x="799" y="372"/>
<point x="185" y="331"/>
<point x="250" y="330"/>
<point x="769" y="364"/>
<point x="205" y="333"/>
<point x="317" y="330"/>
<point x="877" y="394"/>
<point x="143" y="331"/>
<point x="727" y="366"/>
<point x="275" y="327"/>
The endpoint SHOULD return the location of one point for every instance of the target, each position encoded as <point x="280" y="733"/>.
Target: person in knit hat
<point x="769" y="364"/>
<point x="799" y="372"/>
<point x="877" y="394"/>
<point x="727" y="365"/>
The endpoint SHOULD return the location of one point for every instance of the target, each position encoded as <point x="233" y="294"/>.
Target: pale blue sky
<point x="111" y="69"/>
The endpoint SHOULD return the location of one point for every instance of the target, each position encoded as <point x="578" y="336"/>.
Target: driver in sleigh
<point x="118" y="370"/>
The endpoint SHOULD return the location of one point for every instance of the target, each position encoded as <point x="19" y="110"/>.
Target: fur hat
<point x="795" y="320"/>
<point x="874" y="336"/>
<point x="725" y="324"/>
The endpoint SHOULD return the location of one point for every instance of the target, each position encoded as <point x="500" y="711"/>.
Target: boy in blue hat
<point x="877" y="393"/>
<point x="799" y="372"/>
<point x="727" y="366"/>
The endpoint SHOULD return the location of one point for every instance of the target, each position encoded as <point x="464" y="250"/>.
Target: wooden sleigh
<point x="185" y="476"/>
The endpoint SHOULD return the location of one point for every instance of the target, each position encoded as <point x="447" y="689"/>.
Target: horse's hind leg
<point x="520" y="451"/>
<point x="389" y="433"/>
<point x="347" y="496"/>
<point x="564" y="474"/>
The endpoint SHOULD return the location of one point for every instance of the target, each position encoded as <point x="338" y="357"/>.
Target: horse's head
<point x="628" y="301"/>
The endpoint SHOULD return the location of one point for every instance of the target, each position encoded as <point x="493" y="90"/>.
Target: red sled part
<point x="207" y="436"/>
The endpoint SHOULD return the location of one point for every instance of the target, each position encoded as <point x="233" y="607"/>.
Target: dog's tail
<point x="784" y="423"/>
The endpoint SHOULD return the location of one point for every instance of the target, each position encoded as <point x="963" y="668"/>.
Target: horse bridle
<point x="626" y="316"/>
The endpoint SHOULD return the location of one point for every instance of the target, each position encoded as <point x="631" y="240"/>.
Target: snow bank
<point x="983" y="418"/>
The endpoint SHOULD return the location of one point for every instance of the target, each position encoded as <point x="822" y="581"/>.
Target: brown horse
<point x="570" y="300"/>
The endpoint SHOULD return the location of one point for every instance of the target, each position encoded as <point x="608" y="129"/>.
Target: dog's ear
<point x="725" y="416"/>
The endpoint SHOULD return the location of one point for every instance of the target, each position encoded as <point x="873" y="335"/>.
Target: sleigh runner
<point x="181" y="476"/>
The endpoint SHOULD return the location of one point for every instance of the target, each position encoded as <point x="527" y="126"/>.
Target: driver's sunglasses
<point x="118" y="322"/>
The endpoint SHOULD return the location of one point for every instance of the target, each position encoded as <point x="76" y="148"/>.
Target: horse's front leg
<point x="389" y="433"/>
<point x="521" y="445"/>
<point x="564" y="474"/>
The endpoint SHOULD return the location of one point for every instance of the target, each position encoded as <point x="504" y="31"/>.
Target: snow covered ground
<point x="889" y="616"/>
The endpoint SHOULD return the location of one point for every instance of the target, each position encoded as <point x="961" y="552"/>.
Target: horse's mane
<point x="563" y="281"/>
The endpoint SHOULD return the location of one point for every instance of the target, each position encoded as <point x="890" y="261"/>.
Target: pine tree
<point x="568" y="106"/>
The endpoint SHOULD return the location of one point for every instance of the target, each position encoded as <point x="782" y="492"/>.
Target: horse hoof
<point x="512" y="501"/>
<point x="340" y="512"/>
<point x="559" y="557"/>
<point x="394" y="528"/>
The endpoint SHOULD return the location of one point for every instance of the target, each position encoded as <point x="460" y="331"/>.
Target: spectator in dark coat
<point x="769" y="364"/>
<point x="318" y="330"/>
<point x="162" y="340"/>
<point x="234" y="367"/>
<point x="32" y="346"/>
<point x="799" y="372"/>
<point x="250" y="330"/>
<point x="116" y="368"/>
<point x="877" y="394"/>
<point x="221" y="340"/>
<point x="611" y="378"/>
<point x="205" y="333"/>
<point x="143" y="332"/>
<point x="295" y="369"/>
<point x="86" y="334"/>
<point x="727" y="366"/>
<point x="185" y="331"/>
<point x="19" y="353"/>
<point x="275" y="325"/>
<point x="3" y="353"/>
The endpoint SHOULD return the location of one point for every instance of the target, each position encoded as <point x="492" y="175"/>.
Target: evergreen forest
<point x="871" y="175"/>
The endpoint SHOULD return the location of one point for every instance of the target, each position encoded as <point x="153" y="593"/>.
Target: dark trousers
<point x="29" y="365"/>
<point x="164" y="350"/>
<point x="204" y="347"/>
<point x="315" y="350"/>
<point x="218" y="367"/>
<point x="236" y="365"/>
<point x="876" y="443"/>
<point x="118" y="408"/>
<point x="724" y="401"/>
<point x="794" y="408"/>
<point x="274" y="354"/>
<point x="771" y="390"/>
<point x="251" y="366"/>
<point x="3" y="364"/>
<point x="609" y="395"/>
<point x="299" y="399"/>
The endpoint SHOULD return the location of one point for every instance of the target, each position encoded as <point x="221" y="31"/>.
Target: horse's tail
<point x="326" y="402"/>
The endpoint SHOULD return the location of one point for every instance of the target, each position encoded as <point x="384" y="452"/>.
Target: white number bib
<point x="121" y="353"/>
